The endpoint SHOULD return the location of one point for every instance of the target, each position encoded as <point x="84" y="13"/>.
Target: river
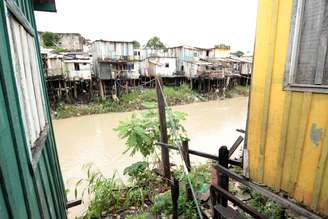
<point x="91" y="139"/>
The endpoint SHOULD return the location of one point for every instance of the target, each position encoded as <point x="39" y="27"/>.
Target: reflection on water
<point x="91" y="139"/>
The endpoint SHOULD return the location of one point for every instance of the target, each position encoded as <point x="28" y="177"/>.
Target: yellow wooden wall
<point x="287" y="130"/>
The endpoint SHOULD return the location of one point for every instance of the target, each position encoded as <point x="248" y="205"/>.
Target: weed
<point x="142" y="130"/>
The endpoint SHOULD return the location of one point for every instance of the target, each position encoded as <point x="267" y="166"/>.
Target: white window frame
<point x="27" y="69"/>
<point x="293" y="55"/>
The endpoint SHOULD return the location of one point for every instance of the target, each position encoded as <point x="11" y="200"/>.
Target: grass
<point x="135" y="99"/>
<point x="238" y="91"/>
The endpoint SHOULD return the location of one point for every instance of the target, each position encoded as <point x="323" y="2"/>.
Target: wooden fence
<point x="219" y="189"/>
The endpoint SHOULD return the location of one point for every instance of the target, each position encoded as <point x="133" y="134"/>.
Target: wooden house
<point x="287" y="137"/>
<point x="162" y="66"/>
<point x="30" y="176"/>
<point x="114" y="59"/>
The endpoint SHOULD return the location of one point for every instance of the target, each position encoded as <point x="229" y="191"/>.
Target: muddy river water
<point x="91" y="139"/>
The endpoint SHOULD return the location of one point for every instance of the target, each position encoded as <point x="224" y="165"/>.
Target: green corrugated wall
<point x="25" y="192"/>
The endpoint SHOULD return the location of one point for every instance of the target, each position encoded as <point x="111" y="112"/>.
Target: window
<point x="167" y="65"/>
<point x="130" y="67"/>
<point x="28" y="82"/>
<point x="76" y="66"/>
<point x="307" y="66"/>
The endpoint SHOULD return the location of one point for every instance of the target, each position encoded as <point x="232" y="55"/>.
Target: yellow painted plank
<point x="306" y="107"/>
<point x="319" y="178"/>
<point x="278" y="110"/>
<point x="257" y="87"/>
<point x="323" y="201"/>
<point x="292" y="130"/>
<point x="283" y="141"/>
<point x="264" y="48"/>
<point x="268" y="76"/>
<point x="317" y="120"/>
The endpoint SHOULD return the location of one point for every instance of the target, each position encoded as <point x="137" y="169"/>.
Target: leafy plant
<point x="155" y="43"/>
<point x="136" y="44"/>
<point x="138" y="216"/>
<point x="142" y="130"/>
<point x="105" y="194"/>
<point x="50" y="40"/>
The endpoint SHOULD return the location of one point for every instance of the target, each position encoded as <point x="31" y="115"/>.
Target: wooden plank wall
<point x="287" y="130"/>
<point x="24" y="192"/>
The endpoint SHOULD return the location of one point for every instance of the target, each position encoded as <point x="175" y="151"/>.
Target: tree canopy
<point x="222" y="46"/>
<point x="136" y="44"/>
<point x="50" y="40"/>
<point x="155" y="43"/>
<point x="239" y="53"/>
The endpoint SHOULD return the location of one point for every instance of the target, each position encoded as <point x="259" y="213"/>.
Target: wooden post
<point x="175" y="197"/>
<point x="75" y="90"/>
<point x="186" y="158"/>
<point x="223" y="178"/>
<point x="163" y="128"/>
<point x="66" y="91"/>
<point x="59" y="90"/>
<point x="91" y="89"/>
<point x="101" y="90"/>
<point x="215" y="214"/>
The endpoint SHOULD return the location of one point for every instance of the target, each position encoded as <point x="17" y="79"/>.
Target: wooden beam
<point x="267" y="87"/>
<point x="283" y="139"/>
<point x="286" y="203"/>
<point x="73" y="203"/>
<point x="298" y="150"/>
<point x="235" y="145"/>
<point x="186" y="158"/>
<point x="163" y="128"/>
<point x="198" y="153"/>
<point x="323" y="162"/>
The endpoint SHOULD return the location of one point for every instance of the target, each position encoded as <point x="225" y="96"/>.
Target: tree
<point x="222" y="46"/>
<point x="155" y="43"/>
<point x="136" y="44"/>
<point x="239" y="53"/>
<point x="50" y="40"/>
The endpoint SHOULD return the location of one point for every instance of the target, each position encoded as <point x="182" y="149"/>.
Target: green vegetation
<point x="155" y="43"/>
<point x="142" y="130"/>
<point x="262" y="204"/>
<point x="136" y="99"/>
<point x="58" y="49"/>
<point x="238" y="53"/>
<point x="222" y="46"/>
<point x="109" y="196"/>
<point x="145" y="193"/>
<point x="50" y="40"/>
<point x="136" y="44"/>
<point x="133" y="100"/>
<point x="237" y="91"/>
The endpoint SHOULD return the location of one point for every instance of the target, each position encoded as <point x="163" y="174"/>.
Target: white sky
<point x="202" y="23"/>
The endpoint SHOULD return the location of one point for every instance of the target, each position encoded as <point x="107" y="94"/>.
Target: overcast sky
<point x="202" y="23"/>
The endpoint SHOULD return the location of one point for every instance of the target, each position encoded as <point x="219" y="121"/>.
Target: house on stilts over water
<point x="287" y="137"/>
<point x="30" y="176"/>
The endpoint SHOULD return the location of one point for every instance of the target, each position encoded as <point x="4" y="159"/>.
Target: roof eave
<point x="47" y="6"/>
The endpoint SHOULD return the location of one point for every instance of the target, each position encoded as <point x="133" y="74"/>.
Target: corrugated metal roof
<point x="113" y="41"/>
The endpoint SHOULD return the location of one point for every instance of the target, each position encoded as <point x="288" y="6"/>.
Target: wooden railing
<point x="219" y="188"/>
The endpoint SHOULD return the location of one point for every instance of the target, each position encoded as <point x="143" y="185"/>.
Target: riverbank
<point x="135" y="100"/>
<point x="92" y="139"/>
